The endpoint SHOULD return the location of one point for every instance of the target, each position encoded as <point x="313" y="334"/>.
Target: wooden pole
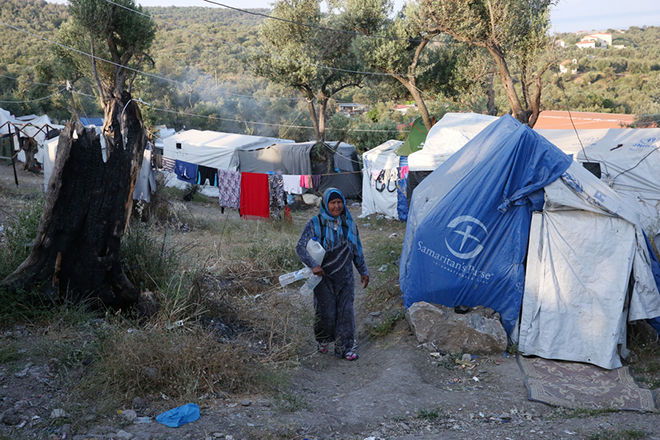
<point x="13" y="156"/>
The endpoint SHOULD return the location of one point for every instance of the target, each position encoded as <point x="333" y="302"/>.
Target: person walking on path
<point x="337" y="232"/>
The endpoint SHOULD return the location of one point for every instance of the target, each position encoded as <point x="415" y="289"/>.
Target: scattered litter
<point x="179" y="416"/>
<point x="382" y="268"/>
<point x="569" y="432"/>
<point x="366" y="225"/>
<point x="143" y="420"/>
<point x="394" y="234"/>
<point x="475" y="378"/>
<point x="57" y="413"/>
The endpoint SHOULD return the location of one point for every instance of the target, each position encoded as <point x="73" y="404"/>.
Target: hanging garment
<point x="145" y="185"/>
<point x="207" y="173"/>
<point x="186" y="171"/>
<point x="306" y="181"/>
<point x="292" y="184"/>
<point x="401" y="197"/>
<point x="316" y="181"/>
<point x="229" y="186"/>
<point x="254" y="195"/>
<point x="276" y="195"/>
<point x="169" y="164"/>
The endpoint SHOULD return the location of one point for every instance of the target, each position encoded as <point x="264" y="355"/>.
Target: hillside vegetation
<point x="200" y="78"/>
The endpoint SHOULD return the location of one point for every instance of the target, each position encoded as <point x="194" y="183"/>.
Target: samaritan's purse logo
<point x="464" y="225"/>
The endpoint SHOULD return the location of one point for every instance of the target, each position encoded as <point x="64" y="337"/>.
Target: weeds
<point x="20" y="233"/>
<point x="148" y="261"/>
<point x="387" y="324"/>
<point x="289" y="402"/>
<point x="625" y="434"/>
<point x="582" y="413"/>
<point x="9" y="354"/>
<point x="430" y="414"/>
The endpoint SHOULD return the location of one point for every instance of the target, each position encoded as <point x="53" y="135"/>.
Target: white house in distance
<point x="599" y="39"/>
<point x="567" y="65"/>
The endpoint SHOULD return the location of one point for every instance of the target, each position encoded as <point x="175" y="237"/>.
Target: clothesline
<point x="253" y="194"/>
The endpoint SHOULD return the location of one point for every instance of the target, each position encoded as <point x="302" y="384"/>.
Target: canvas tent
<point x="35" y="127"/>
<point x="626" y="159"/>
<point x="415" y="140"/>
<point x="208" y="148"/>
<point x="468" y="235"/>
<point x="295" y="159"/>
<point x="379" y="190"/>
<point x="445" y="138"/>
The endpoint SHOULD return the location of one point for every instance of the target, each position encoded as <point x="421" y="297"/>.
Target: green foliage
<point x="113" y="33"/>
<point x="428" y="414"/>
<point x="623" y="434"/>
<point x="290" y="402"/>
<point x="149" y="259"/>
<point x="20" y="234"/>
<point x="9" y="354"/>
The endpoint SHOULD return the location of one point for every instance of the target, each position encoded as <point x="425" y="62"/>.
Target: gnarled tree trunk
<point x="76" y="251"/>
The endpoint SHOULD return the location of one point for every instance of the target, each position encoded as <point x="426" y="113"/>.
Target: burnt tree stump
<point x="88" y="202"/>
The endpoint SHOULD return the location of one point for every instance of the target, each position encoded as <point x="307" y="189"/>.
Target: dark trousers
<point x="333" y="304"/>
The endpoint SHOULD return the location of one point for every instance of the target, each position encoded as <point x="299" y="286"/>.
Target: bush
<point x="19" y="236"/>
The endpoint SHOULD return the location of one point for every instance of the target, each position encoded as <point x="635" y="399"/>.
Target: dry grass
<point x="223" y="326"/>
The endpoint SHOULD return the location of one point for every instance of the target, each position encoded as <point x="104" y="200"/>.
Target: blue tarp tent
<point x="512" y="223"/>
<point x="468" y="224"/>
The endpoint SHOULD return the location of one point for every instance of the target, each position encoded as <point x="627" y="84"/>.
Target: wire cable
<point x="323" y="28"/>
<point x="336" y="69"/>
<point x="35" y="100"/>
<point x="258" y="122"/>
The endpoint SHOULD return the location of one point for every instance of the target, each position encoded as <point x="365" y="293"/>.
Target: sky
<point x="567" y="16"/>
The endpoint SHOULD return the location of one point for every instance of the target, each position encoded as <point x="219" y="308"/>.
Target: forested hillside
<point x="199" y="77"/>
<point x="625" y="80"/>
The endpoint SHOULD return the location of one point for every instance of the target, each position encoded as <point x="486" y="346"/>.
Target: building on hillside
<point x="586" y="44"/>
<point x="403" y="108"/>
<point x="599" y="39"/>
<point x="350" y="109"/>
<point x="568" y="65"/>
<point x="564" y="120"/>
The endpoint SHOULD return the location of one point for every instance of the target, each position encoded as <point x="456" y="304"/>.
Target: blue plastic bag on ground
<point x="179" y="416"/>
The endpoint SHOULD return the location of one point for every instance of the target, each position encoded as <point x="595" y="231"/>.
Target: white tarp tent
<point x="586" y="249"/>
<point x="379" y="200"/>
<point x="32" y="126"/>
<point x="209" y="148"/>
<point x="629" y="163"/>
<point x="446" y="137"/>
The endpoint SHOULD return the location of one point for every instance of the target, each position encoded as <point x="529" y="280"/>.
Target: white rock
<point x="129" y="415"/>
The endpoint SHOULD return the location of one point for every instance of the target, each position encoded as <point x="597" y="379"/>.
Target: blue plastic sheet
<point x="179" y="416"/>
<point x="468" y="224"/>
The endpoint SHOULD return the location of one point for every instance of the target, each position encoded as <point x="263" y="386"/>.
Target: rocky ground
<point x="396" y="390"/>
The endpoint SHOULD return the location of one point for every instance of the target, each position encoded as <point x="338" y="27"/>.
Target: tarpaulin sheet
<point x="589" y="270"/>
<point x="468" y="223"/>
